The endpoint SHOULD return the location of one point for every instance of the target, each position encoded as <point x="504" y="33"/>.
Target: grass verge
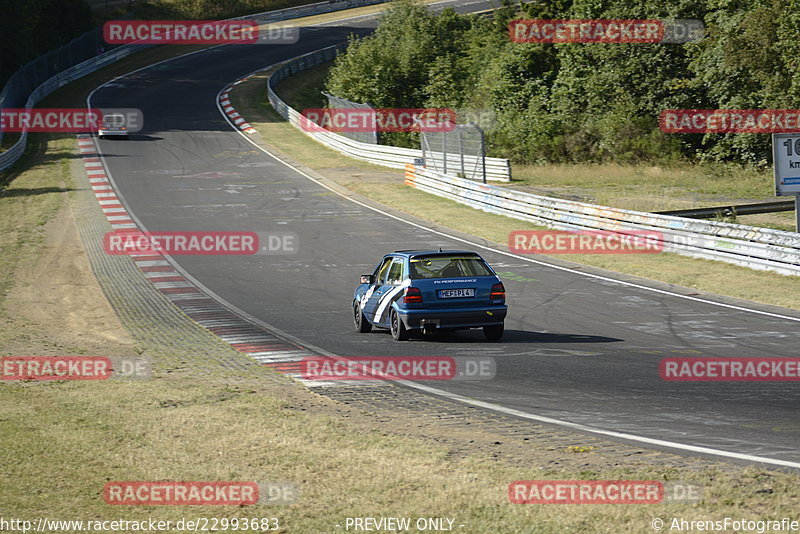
<point x="654" y="188"/>
<point x="220" y="428"/>
<point x="29" y="198"/>
<point x="62" y="441"/>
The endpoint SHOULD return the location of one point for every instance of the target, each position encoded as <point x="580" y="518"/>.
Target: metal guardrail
<point x="308" y="9"/>
<point x="733" y="210"/>
<point x="10" y="156"/>
<point x="756" y="248"/>
<point x="497" y="169"/>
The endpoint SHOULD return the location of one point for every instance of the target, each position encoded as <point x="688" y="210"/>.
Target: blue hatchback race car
<point x="425" y="291"/>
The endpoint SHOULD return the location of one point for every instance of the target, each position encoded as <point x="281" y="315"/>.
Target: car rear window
<point x="114" y="120"/>
<point x="448" y="267"/>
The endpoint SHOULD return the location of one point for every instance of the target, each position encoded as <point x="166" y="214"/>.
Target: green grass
<point x="305" y="91"/>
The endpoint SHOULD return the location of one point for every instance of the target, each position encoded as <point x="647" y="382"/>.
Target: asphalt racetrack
<point x="577" y="348"/>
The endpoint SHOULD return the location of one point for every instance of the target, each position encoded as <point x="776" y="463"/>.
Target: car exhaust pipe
<point x="429" y="326"/>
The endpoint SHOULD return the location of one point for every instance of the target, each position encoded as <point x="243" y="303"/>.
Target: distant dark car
<point x="425" y="291"/>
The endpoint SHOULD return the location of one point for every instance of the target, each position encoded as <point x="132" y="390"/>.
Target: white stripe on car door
<point x="387" y="299"/>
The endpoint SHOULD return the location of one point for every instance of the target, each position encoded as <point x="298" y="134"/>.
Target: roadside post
<point x="786" y="162"/>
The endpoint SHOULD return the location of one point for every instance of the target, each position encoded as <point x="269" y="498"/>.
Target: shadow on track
<point x="510" y="336"/>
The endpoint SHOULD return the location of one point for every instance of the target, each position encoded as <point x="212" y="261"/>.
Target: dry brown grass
<point x="62" y="442"/>
<point x="651" y="188"/>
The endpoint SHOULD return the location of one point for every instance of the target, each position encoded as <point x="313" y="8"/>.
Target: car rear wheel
<point x="362" y="325"/>
<point x="493" y="332"/>
<point x="399" y="332"/>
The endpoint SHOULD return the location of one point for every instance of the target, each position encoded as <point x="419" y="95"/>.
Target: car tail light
<point x="412" y="296"/>
<point x="498" y="292"/>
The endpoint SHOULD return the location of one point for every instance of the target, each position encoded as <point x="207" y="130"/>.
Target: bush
<point x="585" y="102"/>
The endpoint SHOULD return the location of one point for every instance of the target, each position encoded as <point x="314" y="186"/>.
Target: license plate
<point x="456" y="293"/>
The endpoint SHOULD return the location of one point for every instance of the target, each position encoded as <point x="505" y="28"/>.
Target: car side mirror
<point x="366" y="278"/>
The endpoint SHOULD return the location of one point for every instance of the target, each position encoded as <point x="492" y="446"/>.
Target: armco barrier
<point x="756" y="248"/>
<point x="308" y="10"/>
<point x="10" y="156"/>
<point x="497" y="169"/>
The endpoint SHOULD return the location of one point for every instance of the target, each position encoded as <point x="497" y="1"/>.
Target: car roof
<point x="412" y="253"/>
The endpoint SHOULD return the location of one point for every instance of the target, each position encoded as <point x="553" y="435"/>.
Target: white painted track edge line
<point x="436" y="391"/>
<point x="496" y="250"/>
<point x="611" y="433"/>
<point x="511" y="411"/>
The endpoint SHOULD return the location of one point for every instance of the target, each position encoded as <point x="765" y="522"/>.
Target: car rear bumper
<point x="454" y="318"/>
<point x="114" y="133"/>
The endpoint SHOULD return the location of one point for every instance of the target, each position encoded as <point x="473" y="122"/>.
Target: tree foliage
<point x="585" y="102"/>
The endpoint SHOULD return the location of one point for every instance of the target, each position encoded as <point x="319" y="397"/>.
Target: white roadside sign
<point x="786" y="161"/>
<point x="786" y="158"/>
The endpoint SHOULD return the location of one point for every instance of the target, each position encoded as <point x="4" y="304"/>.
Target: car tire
<point x="493" y="332"/>
<point x="362" y="325"/>
<point x="398" y="329"/>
